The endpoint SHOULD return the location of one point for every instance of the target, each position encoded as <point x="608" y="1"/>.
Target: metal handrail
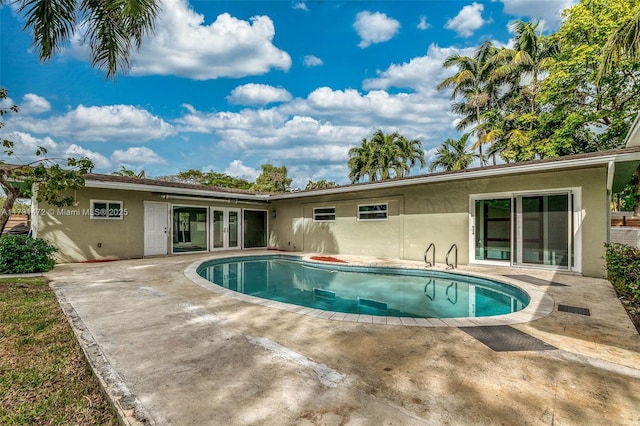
<point x="433" y="256"/>
<point x="446" y="260"/>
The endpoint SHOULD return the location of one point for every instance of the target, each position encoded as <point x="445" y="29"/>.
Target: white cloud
<point x="99" y="160"/>
<point x="375" y="28"/>
<point x="468" y="20"/>
<point x="258" y="94"/>
<point x="548" y="11"/>
<point x="239" y="170"/>
<point x="422" y="73"/>
<point x="183" y="45"/>
<point x="423" y="24"/>
<point x="34" y="104"/>
<point x="101" y="123"/>
<point x="26" y="145"/>
<point x="300" y="5"/>
<point x="136" y="155"/>
<point x="312" y="61"/>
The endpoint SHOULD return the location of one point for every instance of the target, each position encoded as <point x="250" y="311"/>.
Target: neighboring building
<point x="550" y="213"/>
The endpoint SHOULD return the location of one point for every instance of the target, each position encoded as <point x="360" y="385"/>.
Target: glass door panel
<point x="234" y="240"/>
<point x="218" y="229"/>
<point x="544" y="225"/>
<point x="493" y="229"/>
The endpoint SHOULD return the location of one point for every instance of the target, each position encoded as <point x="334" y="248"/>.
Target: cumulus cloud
<point x="468" y="20"/>
<point x="374" y="28"/>
<point x="136" y="155"/>
<point x="99" y="160"/>
<point x="124" y="123"/>
<point x="183" y="45"/>
<point x="34" y="104"/>
<point x="423" y="24"/>
<point x="421" y="73"/>
<point x="547" y="11"/>
<point x="239" y="170"/>
<point x="258" y="94"/>
<point x="26" y="145"/>
<point x="312" y="61"/>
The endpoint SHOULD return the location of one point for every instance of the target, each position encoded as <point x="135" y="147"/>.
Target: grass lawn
<point x="44" y="376"/>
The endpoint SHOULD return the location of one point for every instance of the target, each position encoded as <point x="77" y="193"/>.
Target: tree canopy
<point x="272" y="179"/>
<point x="384" y="156"/>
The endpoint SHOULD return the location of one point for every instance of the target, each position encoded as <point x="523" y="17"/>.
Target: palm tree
<point x="453" y="155"/>
<point x="410" y="153"/>
<point x="623" y="42"/>
<point x="531" y="56"/>
<point x="112" y="27"/>
<point x="473" y="83"/>
<point x="377" y="158"/>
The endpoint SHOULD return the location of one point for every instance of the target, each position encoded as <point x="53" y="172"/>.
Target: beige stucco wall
<point x="77" y="236"/>
<point x="438" y="213"/>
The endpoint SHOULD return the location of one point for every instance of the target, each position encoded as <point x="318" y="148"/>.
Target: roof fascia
<point x="473" y="174"/>
<point x="126" y="186"/>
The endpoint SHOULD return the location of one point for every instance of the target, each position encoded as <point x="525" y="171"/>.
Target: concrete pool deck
<point x="169" y="351"/>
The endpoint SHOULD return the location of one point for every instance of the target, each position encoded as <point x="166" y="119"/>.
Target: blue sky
<point x="230" y="85"/>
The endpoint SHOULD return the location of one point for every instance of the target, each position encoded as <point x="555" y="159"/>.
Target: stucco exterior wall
<point x="426" y="213"/>
<point x="80" y="238"/>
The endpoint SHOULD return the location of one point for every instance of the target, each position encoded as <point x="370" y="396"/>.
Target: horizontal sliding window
<point x="372" y="212"/>
<point x="324" y="214"/>
<point x="102" y="209"/>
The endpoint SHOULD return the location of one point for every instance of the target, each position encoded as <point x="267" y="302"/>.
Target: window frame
<point x="364" y="219"/>
<point x="123" y="211"/>
<point x="316" y="215"/>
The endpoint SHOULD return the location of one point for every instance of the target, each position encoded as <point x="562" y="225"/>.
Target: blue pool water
<point x="362" y="290"/>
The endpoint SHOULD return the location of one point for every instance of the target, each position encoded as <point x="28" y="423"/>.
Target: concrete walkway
<point x="170" y="351"/>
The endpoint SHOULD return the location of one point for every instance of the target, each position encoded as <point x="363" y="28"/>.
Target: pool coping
<point x="540" y="304"/>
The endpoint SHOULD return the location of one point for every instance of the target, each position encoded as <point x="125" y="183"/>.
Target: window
<point x="372" y="212"/>
<point x="324" y="214"/>
<point x="101" y="209"/>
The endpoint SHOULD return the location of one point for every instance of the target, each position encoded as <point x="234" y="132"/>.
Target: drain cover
<point x="574" y="310"/>
<point x="535" y="281"/>
<point x="502" y="338"/>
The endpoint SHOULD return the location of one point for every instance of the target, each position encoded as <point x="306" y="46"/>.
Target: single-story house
<point x="551" y="213"/>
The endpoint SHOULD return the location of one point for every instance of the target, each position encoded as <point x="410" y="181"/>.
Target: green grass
<point x="44" y="376"/>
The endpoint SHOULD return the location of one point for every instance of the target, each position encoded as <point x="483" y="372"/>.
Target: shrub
<point x="623" y="269"/>
<point x="20" y="254"/>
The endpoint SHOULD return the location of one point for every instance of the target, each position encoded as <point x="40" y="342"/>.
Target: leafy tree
<point x="473" y="83"/>
<point x="384" y="155"/>
<point x="623" y="42"/>
<point x="210" y="178"/>
<point x="272" y="179"/>
<point x="112" y="27"/>
<point x="49" y="178"/>
<point x="129" y="173"/>
<point x="589" y="104"/>
<point x="320" y="184"/>
<point x="453" y="155"/>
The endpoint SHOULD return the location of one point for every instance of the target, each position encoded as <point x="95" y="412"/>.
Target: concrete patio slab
<point x="170" y="351"/>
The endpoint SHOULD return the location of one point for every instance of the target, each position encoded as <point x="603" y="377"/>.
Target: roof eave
<point x="471" y="174"/>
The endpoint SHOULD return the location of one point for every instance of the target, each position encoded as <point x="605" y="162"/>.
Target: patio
<point x="169" y="351"/>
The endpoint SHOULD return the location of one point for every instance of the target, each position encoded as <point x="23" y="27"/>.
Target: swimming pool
<point x="391" y="292"/>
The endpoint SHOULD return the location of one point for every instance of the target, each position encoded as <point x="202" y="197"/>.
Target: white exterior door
<point x="155" y="228"/>
<point x="226" y="228"/>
